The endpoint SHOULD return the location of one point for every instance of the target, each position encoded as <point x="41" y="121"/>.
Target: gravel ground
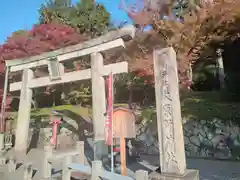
<point x="208" y="169"/>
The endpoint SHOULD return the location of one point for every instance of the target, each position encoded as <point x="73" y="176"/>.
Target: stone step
<point x="19" y="173"/>
<point x="5" y="174"/>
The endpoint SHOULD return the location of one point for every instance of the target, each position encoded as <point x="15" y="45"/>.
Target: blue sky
<point x="17" y="15"/>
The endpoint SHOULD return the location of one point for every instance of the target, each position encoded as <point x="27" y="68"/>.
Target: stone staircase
<point x="16" y="166"/>
<point x="26" y="167"/>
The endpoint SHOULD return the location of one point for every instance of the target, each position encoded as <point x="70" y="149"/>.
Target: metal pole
<point x="112" y="157"/>
<point x="4" y="98"/>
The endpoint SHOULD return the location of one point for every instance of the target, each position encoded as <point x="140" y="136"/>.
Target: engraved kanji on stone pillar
<point x="170" y="132"/>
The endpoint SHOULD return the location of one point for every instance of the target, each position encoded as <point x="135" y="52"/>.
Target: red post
<point x="55" y="124"/>
<point x="108" y="122"/>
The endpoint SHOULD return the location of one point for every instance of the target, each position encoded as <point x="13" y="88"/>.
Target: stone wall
<point x="208" y="139"/>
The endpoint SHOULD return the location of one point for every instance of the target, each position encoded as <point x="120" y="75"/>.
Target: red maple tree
<point x="41" y="38"/>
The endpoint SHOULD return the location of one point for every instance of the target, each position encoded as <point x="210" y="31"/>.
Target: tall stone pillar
<point x="169" y="120"/>
<point x="98" y="106"/>
<point x="24" y="111"/>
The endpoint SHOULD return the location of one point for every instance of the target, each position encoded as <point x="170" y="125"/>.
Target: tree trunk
<point x="130" y="98"/>
<point x="221" y="74"/>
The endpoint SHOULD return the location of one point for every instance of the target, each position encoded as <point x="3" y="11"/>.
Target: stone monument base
<point x="191" y="174"/>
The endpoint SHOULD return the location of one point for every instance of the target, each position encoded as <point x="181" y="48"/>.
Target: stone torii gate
<point x="54" y="60"/>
